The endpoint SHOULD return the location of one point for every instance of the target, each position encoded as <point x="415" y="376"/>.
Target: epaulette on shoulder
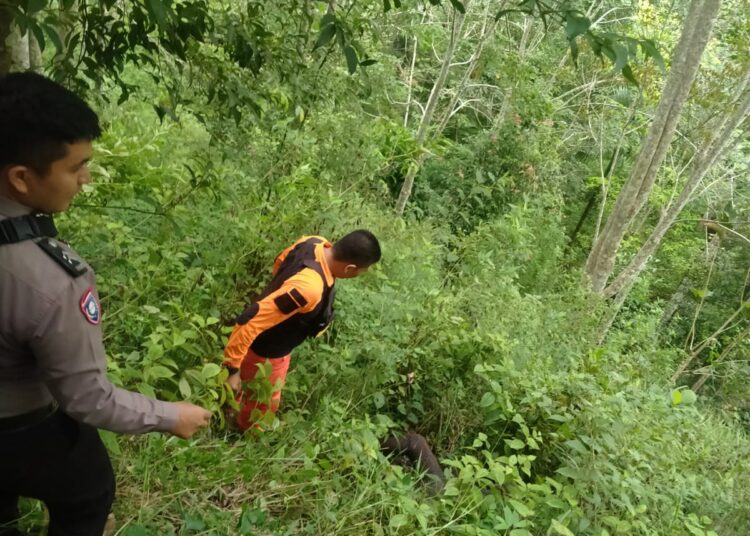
<point x="73" y="266"/>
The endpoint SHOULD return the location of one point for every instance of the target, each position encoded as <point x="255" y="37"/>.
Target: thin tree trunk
<point x="581" y="220"/>
<point x="19" y="50"/>
<point x="674" y="303"/>
<point x="484" y="37"/>
<point x="6" y="22"/>
<point x="424" y="124"/>
<point x="685" y="62"/>
<point x="721" y="140"/>
<point x="35" y="54"/>
<point x="66" y="21"/>
<point x="410" y="82"/>
<point x="612" y="167"/>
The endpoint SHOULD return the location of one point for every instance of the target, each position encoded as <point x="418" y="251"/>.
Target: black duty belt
<point x="18" y="422"/>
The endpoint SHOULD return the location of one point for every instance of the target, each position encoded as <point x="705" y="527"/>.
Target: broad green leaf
<point x="458" y="6"/>
<point x="341" y="37"/>
<point x="210" y="370"/>
<point x="650" y="51"/>
<point x="487" y="400"/>
<point x="515" y="444"/>
<point x="621" y="56"/>
<point x="521" y="508"/>
<point x="146" y="389"/>
<point x="368" y="62"/>
<point x="185" y="389"/>
<point x="110" y="441"/>
<point x="576" y="445"/>
<point x="399" y="520"/>
<point x="627" y="72"/>
<point x="328" y="18"/>
<point x="351" y="59"/>
<point x="689" y="396"/>
<point x="38" y="34"/>
<point x="326" y="34"/>
<point x="576" y="25"/>
<point x="33" y="6"/>
<point x="158" y="371"/>
<point x="51" y="32"/>
<point x="574" y="50"/>
<point x="559" y="528"/>
<point x="160" y="10"/>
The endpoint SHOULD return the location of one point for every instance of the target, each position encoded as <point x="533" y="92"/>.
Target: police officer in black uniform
<point x="54" y="392"/>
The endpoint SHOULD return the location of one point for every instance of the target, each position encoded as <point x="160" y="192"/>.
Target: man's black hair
<point x="359" y="247"/>
<point x="38" y="117"/>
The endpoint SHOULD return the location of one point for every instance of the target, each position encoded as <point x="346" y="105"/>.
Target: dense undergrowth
<point x="473" y="331"/>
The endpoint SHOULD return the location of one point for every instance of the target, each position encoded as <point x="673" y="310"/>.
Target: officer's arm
<point x="299" y="294"/>
<point x="67" y="343"/>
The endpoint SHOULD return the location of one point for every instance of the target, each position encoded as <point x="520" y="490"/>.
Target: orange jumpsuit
<point x="292" y="308"/>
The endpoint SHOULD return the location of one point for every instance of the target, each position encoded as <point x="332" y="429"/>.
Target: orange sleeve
<point x="303" y="291"/>
<point x="280" y="258"/>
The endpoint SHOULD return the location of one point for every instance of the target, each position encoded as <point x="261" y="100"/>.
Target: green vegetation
<point x="478" y="329"/>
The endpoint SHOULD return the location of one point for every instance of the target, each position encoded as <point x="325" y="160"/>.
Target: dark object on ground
<point x="412" y="450"/>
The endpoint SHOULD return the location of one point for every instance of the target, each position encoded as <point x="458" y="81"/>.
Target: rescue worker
<point x="54" y="391"/>
<point x="296" y="304"/>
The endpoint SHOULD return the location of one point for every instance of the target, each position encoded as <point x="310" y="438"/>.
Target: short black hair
<point x="38" y="118"/>
<point x="359" y="247"/>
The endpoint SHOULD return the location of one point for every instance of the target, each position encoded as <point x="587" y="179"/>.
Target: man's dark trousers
<point x="62" y="463"/>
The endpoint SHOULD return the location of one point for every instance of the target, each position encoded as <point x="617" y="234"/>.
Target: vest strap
<point x="28" y="227"/>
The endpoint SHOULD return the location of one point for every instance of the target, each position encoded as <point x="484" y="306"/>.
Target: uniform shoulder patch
<point x="290" y="301"/>
<point x="73" y="266"/>
<point x="90" y="307"/>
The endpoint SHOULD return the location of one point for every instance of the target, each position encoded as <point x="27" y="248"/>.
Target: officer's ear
<point x="350" y="270"/>
<point x="18" y="177"/>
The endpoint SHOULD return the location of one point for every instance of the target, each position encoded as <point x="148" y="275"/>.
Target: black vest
<point x="282" y="338"/>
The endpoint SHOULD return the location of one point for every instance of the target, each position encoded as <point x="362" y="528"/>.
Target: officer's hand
<point x="190" y="419"/>
<point x="234" y="381"/>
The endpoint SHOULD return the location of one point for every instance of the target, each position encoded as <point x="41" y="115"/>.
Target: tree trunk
<point x="35" y="54"/>
<point x="6" y="22"/>
<point x="685" y="62"/>
<point x="66" y="22"/>
<point x="612" y="166"/>
<point x="720" y="141"/>
<point x="674" y="303"/>
<point x="410" y="82"/>
<point x="19" y="50"/>
<point x="424" y="124"/>
<point x="487" y="32"/>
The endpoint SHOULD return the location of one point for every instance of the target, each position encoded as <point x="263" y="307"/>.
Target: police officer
<point x="54" y="392"/>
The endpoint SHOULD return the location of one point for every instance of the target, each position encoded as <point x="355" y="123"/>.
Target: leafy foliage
<point x="474" y="330"/>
